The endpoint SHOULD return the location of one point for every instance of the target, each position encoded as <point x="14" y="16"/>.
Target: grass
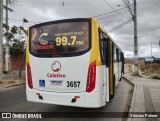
<point x="11" y="81"/>
<point x="128" y="61"/>
<point x="1" y="82"/>
<point x="152" y="70"/>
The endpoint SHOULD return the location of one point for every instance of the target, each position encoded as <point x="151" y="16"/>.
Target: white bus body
<point x="79" y="80"/>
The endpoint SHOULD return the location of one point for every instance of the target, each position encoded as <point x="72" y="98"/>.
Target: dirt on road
<point x="11" y="82"/>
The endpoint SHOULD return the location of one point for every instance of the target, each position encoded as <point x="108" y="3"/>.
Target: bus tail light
<point x="29" y="76"/>
<point x="91" y="79"/>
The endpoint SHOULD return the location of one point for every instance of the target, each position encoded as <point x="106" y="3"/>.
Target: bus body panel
<point x="120" y="69"/>
<point x="55" y="98"/>
<point x="104" y="82"/>
<point x="104" y="78"/>
<point x="116" y="73"/>
<point x="92" y="99"/>
<point x="73" y="69"/>
<point x="107" y="85"/>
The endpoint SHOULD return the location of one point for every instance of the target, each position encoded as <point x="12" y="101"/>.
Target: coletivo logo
<point x="43" y="39"/>
<point x="52" y="75"/>
<point x="56" y="66"/>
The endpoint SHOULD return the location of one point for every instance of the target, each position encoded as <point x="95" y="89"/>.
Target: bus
<point x="72" y="62"/>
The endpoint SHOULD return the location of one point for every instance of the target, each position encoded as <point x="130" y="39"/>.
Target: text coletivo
<point x="56" y="75"/>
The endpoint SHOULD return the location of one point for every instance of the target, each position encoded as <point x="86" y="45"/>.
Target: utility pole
<point x="134" y="16"/>
<point x="135" y="41"/>
<point x="7" y="56"/>
<point x="1" y="37"/>
<point x="151" y="48"/>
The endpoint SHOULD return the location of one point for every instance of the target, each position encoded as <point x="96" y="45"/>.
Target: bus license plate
<point x="56" y="83"/>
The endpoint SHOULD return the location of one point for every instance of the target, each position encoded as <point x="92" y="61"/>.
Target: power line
<point x="111" y="15"/>
<point x="109" y="12"/>
<point x="49" y="1"/>
<point x="39" y="3"/>
<point x="113" y="21"/>
<point x="121" y="25"/>
<point x="128" y="5"/>
<point x="22" y="21"/>
<point x="83" y="2"/>
<point x="112" y="7"/>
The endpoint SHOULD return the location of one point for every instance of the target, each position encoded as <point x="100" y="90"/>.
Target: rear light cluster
<point x="29" y="76"/>
<point x="91" y="80"/>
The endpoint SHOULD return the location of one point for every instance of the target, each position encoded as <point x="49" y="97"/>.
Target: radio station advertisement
<point x="60" y="38"/>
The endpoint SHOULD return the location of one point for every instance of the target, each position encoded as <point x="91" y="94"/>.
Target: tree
<point x="16" y="35"/>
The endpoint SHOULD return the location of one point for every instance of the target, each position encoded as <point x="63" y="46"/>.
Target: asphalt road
<point x="14" y="100"/>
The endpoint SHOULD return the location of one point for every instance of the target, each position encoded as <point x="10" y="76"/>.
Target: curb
<point x="12" y="85"/>
<point x="133" y="97"/>
<point x="132" y="103"/>
<point x="128" y="81"/>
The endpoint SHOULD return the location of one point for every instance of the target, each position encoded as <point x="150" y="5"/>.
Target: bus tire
<point x="112" y="96"/>
<point x="120" y="77"/>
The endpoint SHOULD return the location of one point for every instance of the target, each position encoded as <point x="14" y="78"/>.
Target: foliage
<point x="15" y="37"/>
<point x="156" y="77"/>
<point x="17" y="47"/>
<point x="25" y="20"/>
<point x="5" y="72"/>
<point x="152" y="70"/>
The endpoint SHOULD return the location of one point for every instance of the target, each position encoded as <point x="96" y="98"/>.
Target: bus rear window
<point x="59" y="39"/>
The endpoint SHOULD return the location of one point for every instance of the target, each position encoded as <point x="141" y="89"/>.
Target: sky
<point x="115" y="19"/>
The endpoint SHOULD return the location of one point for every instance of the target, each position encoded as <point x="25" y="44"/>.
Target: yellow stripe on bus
<point x="27" y="49"/>
<point x="95" y="51"/>
<point x="111" y="69"/>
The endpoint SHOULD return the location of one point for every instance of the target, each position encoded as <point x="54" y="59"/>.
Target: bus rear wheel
<point x="120" y="77"/>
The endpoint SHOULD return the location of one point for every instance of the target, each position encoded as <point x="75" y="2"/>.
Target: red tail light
<point x="29" y="76"/>
<point x="91" y="80"/>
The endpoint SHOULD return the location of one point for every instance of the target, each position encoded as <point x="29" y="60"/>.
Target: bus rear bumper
<point x="83" y="99"/>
